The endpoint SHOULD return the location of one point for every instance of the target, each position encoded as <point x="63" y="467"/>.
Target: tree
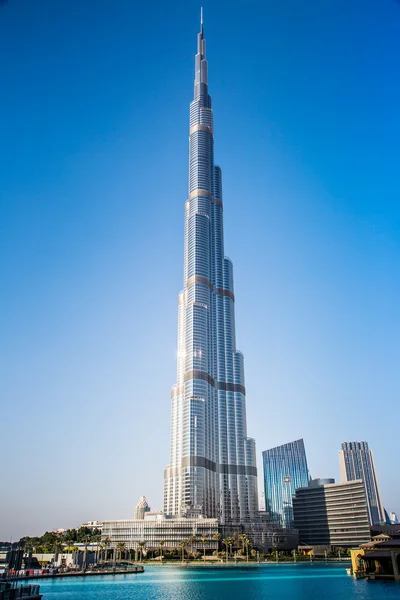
<point x="70" y="536"/>
<point x="204" y="540"/>
<point x="161" y="549"/>
<point x="101" y="551"/>
<point x="226" y="542"/>
<point x="216" y="537"/>
<point x="231" y="542"/>
<point x="106" y="544"/>
<point x="57" y="548"/>
<point x="191" y="541"/>
<point x="142" y="546"/>
<point x="120" y="548"/>
<point x="245" y="543"/>
<point x="86" y="541"/>
<point x="182" y="545"/>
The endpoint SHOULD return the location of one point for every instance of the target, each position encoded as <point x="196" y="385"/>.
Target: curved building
<point x="212" y="470"/>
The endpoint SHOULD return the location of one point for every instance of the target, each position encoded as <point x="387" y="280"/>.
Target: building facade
<point x="332" y="515"/>
<point x="212" y="470"/>
<point x="285" y="469"/>
<point x="158" y="529"/>
<point x="141" y="508"/>
<point x="357" y="462"/>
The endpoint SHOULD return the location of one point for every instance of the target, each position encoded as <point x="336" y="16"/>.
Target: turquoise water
<point x="266" y="582"/>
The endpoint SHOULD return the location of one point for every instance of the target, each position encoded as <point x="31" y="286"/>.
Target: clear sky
<point x="93" y="178"/>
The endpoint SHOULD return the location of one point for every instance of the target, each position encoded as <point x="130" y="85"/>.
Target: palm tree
<point x="204" y="540"/>
<point x="216" y="538"/>
<point x="246" y="543"/>
<point x="75" y="555"/>
<point x="97" y="539"/>
<point x="182" y="544"/>
<point x="106" y="543"/>
<point x="161" y="547"/>
<point x="191" y="541"/>
<point x="57" y="549"/>
<point x="120" y="548"/>
<point x="226" y="542"/>
<point x="142" y="546"/>
<point x="86" y="541"/>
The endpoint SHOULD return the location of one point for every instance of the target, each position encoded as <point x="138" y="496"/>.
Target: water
<point x="264" y="582"/>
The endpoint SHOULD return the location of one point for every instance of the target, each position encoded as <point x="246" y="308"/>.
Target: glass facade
<point x="212" y="467"/>
<point x="357" y="462"/>
<point x="285" y="470"/>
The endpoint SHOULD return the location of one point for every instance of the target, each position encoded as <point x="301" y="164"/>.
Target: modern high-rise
<point x="212" y="470"/>
<point x="285" y="469"/>
<point x="357" y="462"/>
<point x="141" y="508"/>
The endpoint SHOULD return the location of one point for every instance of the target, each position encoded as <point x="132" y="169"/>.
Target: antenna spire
<point x="201" y="18"/>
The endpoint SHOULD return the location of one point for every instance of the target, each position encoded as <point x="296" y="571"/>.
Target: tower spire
<point x="201" y="69"/>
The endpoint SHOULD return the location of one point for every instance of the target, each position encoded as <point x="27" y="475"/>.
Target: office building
<point x="141" y="508"/>
<point x="212" y="470"/>
<point x="335" y="514"/>
<point x="357" y="462"/>
<point x="285" y="469"/>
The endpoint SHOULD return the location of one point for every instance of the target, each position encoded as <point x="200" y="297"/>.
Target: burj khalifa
<point x="212" y="470"/>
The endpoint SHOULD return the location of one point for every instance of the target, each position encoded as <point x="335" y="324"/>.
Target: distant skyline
<point x="91" y="216"/>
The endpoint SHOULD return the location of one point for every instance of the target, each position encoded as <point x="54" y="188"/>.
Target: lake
<point x="266" y="582"/>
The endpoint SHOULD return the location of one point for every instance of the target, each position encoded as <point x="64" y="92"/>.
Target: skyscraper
<point x="285" y="470"/>
<point x="357" y="462"/>
<point x="212" y="470"/>
<point x="141" y="508"/>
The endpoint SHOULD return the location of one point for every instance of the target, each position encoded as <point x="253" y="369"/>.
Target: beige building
<point x="332" y="515"/>
<point x="158" y="527"/>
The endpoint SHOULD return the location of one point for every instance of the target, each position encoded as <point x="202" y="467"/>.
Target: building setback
<point x="357" y="462"/>
<point x="285" y="469"/>
<point x="212" y="470"/>
<point x="334" y="514"/>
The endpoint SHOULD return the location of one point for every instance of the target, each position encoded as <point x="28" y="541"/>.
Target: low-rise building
<point x="157" y="527"/>
<point x="160" y="528"/>
<point x="335" y="514"/>
<point x="93" y="525"/>
<point x="377" y="559"/>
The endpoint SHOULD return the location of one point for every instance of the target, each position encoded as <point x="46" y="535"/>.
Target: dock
<point x="28" y="575"/>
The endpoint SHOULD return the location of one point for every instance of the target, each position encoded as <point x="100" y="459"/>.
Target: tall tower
<point x="357" y="462"/>
<point x="212" y="470"/>
<point x="285" y="470"/>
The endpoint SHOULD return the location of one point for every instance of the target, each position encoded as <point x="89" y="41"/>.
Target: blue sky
<point x="93" y="178"/>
